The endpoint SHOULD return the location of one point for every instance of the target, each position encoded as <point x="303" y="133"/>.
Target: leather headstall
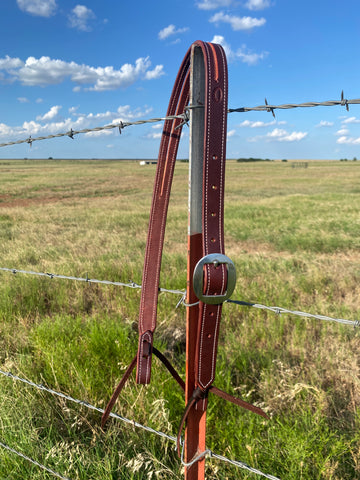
<point x="214" y="272"/>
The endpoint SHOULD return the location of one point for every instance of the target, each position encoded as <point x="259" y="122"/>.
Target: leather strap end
<point x="143" y="372"/>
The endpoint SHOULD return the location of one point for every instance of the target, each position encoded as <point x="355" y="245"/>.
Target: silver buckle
<point x="198" y="278"/>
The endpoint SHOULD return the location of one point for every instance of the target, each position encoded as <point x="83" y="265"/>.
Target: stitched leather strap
<point x="152" y="264"/>
<point x="213" y="198"/>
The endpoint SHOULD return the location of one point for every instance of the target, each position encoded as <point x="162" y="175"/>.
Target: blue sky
<point x="81" y="64"/>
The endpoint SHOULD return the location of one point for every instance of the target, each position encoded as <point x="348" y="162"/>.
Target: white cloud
<point x="79" y="18"/>
<point x="23" y="100"/>
<point x="242" y="53"/>
<point x="155" y="73"/>
<point x="256" y="124"/>
<point x="348" y="140"/>
<point x="153" y="135"/>
<point x="246" y="56"/>
<point x="293" y="137"/>
<point x="47" y="71"/>
<point x="40" y="8"/>
<point x="213" y="4"/>
<point x="50" y="115"/>
<point x="342" y="132"/>
<point x="276" y="133"/>
<point x="171" y="30"/>
<point x="279" y="135"/>
<point x="78" y="121"/>
<point x="325" y="123"/>
<point x="257" y="4"/>
<point x="7" y="63"/>
<point x="238" y="23"/>
<point x="231" y="133"/>
<point x="350" y="120"/>
<point x="73" y="110"/>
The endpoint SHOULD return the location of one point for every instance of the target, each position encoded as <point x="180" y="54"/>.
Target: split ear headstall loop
<point x="214" y="275"/>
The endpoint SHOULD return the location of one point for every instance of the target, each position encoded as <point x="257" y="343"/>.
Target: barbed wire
<point x="34" y="462"/>
<point x="280" y="310"/>
<point x="207" y="453"/>
<point x="182" y="301"/>
<point x="185" y="118"/>
<point x="270" y="108"/>
<point x="120" y="126"/>
<point x="86" y="280"/>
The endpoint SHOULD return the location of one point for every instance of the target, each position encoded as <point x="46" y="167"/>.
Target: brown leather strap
<point x="199" y="394"/>
<point x="126" y="376"/>
<point x="156" y="231"/>
<point x="215" y="279"/>
<point x="215" y="114"/>
<point x="117" y="391"/>
<point x="237" y="401"/>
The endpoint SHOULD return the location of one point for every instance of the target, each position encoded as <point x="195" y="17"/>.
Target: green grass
<point x="293" y="235"/>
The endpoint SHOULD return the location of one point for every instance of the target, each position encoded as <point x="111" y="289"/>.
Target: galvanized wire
<point x="270" y="108"/>
<point x="280" y="310"/>
<point x="34" y="462"/>
<point x="277" y="310"/>
<point x="185" y="117"/>
<point x="86" y="279"/>
<point x="120" y="126"/>
<point x="130" y="422"/>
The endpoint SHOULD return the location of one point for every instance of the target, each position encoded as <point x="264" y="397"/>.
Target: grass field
<point x="294" y="236"/>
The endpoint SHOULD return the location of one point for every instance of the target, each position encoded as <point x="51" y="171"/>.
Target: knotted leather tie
<point x="213" y="273"/>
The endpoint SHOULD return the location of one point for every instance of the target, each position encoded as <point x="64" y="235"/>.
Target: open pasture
<point x="294" y="236"/>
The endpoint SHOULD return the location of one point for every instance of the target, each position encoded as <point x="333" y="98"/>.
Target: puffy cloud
<point x="50" y="115"/>
<point x="76" y="121"/>
<point x="256" y="124"/>
<point x="23" y="100"/>
<point x="242" y="53"/>
<point x="279" y="135"/>
<point x="155" y="73"/>
<point x="238" y="23"/>
<point x="348" y="140"/>
<point x="171" y="30"/>
<point x="213" y="4"/>
<point x="47" y="71"/>
<point x="8" y="63"/>
<point x="257" y="4"/>
<point x="40" y="8"/>
<point x="293" y="137"/>
<point x="79" y="18"/>
<point x="350" y="120"/>
<point x="342" y="132"/>
<point x="231" y="133"/>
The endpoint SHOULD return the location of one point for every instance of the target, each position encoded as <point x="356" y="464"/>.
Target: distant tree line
<point x="251" y="159"/>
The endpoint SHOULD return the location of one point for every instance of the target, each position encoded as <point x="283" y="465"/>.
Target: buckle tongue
<point x="215" y="259"/>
